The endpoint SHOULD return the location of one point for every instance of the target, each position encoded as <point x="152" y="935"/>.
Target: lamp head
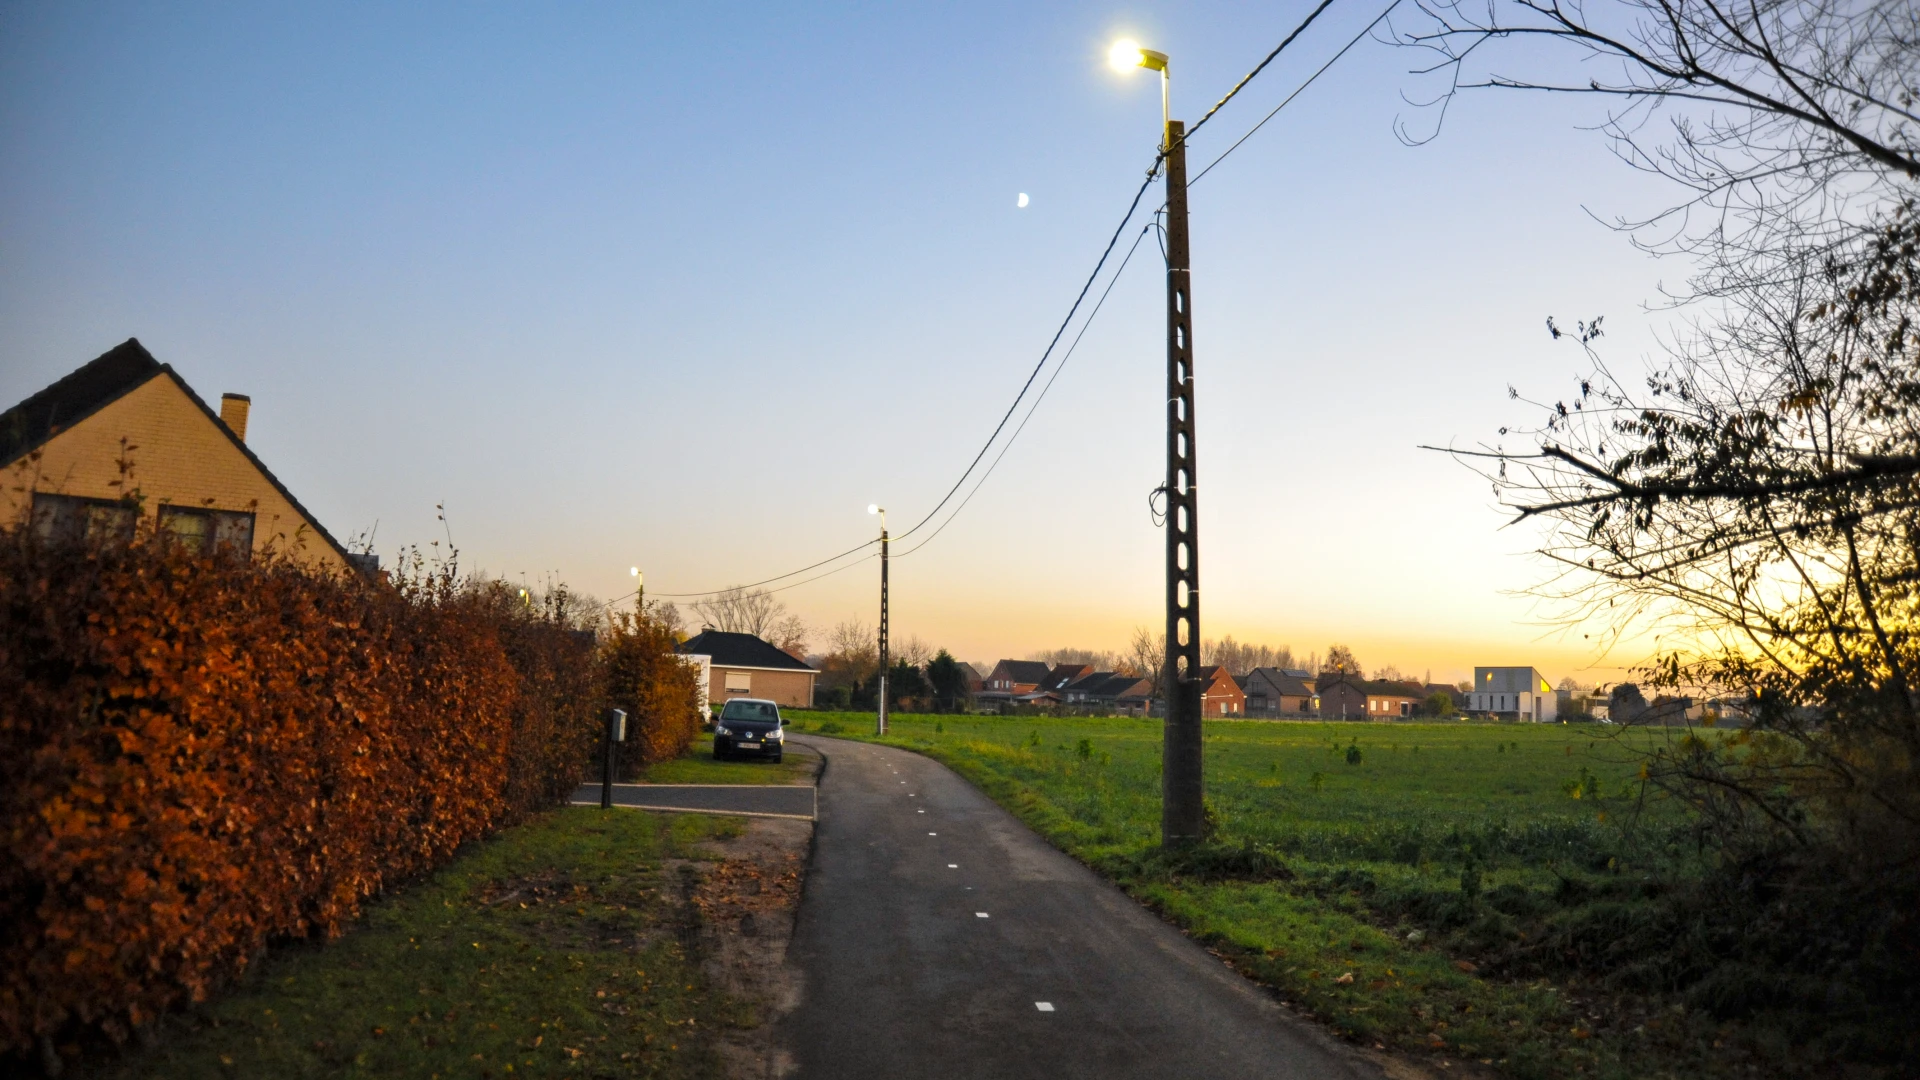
<point x="873" y="508"/>
<point x="1127" y="54"/>
<point x="634" y="571"/>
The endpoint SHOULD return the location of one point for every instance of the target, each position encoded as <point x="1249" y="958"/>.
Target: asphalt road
<point x="939" y="937"/>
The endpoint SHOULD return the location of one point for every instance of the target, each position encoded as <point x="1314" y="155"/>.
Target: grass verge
<point x="558" y="948"/>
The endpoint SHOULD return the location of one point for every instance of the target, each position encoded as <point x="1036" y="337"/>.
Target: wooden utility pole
<point x="1182" y="805"/>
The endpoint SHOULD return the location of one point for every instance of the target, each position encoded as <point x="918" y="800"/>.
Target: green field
<point x="1444" y="889"/>
<point x="556" y="948"/>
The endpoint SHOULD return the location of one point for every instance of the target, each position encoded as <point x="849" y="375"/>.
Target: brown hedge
<point x="199" y="755"/>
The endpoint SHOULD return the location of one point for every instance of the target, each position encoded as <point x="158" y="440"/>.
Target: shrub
<point x="199" y="754"/>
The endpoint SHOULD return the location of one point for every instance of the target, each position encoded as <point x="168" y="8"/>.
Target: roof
<point x="1089" y="683"/>
<point x="1283" y="681"/>
<point x="1125" y="686"/>
<point x="1023" y="671"/>
<point x="99" y="383"/>
<point x="740" y="650"/>
<point x="1059" y="677"/>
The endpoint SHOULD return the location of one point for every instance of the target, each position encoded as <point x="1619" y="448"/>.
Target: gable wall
<point x="181" y="456"/>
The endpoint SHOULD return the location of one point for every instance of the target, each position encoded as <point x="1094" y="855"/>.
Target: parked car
<point x="749" y="726"/>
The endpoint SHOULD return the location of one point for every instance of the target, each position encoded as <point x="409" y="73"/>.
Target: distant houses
<point x="1520" y="694"/>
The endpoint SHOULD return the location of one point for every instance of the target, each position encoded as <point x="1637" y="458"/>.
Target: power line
<point x="1261" y="66"/>
<point x="1297" y="91"/>
<point x="1068" y="355"/>
<point x="988" y="445"/>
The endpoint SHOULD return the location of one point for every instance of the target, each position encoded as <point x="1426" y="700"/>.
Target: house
<point x="1063" y="676"/>
<point x="1280" y="692"/>
<point x="1518" y="693"/>
<point x="1391" y="701"/>
<point x="742" y="665"/>
<point x="1128" y="695"/>
<point x="1344" y="697"/>
<point x="1009" y="679"/>
<point x="1220" y="695"/>
<point x="123" y="439"/>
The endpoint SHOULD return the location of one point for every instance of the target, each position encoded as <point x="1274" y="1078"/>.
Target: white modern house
<point x="1520" y="692"/>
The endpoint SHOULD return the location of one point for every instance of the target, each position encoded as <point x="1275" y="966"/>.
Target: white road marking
<point x="1043" y="1006"/>
<point x="919" y="811"/>
<point x="953" y="866"/>
<point x="979" y="914"/>
<point x="933" y="834"/>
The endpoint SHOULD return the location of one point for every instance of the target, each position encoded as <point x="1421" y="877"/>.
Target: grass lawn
<point x="698" y="766"/>
<point x="1426" y="888"/>
<point x="558" y="948"/>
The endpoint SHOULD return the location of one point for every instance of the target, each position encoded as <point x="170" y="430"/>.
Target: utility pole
<point x="880" y="726"/>
<point x="1182" y="806"/>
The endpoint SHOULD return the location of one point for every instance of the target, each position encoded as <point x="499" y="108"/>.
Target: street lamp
<point x="639" y="588"/>
<point x="1182" y="787"/>
<point x="880" y="724"/>
<point x="1127" y="55"/>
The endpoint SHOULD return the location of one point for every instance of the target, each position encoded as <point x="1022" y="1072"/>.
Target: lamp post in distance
<point x="639" y="588"/>
<point x="1182" y="787"/>
<point x="880" y="717"/>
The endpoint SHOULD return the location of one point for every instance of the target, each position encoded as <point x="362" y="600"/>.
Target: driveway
<point x="751" y="800"/>
<point x="939" y="937"/>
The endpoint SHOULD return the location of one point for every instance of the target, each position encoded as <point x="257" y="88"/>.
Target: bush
<point x="199" y="755"/>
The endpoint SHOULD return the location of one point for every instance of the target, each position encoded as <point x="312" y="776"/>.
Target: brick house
<point x="742" y="665"/>
<point x="123" y="439"/>
<point x="1280" y="692"/>
<point x="1012" y="677"/>
<point x="1220" y="695"/>
<point x="1343" y="697"/>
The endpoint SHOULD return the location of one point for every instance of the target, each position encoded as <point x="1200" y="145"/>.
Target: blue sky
<point x="688" y="287"/>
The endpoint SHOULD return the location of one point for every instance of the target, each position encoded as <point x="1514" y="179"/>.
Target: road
<point x="939" y="937"/>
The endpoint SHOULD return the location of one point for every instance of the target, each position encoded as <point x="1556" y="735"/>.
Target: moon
<point x="1022" y="201"/>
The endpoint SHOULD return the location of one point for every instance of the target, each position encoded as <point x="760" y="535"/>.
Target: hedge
<point x="201" y="754"/>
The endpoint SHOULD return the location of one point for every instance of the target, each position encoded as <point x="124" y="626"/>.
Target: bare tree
<point x="789" y="635"/>
<point x="1105" y="661"/>
<point x="1340" y="658"/>
<point x="1785" y="119"/>
<point x="1147" y="655"/>
<point x="915" y="652"/>
<point x="738" y="611"/>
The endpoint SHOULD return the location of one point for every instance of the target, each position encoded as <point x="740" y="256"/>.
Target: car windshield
<point x="764" y="711"/>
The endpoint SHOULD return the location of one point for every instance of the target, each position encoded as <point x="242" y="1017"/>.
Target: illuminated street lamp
<point x="1182" y="784"/>
<point x="1127" y="55"/>
<point x="639" y="588"/>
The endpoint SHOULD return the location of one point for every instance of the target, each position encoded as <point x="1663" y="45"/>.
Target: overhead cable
<point x="1368" y="29"/>
<point x="1042" y="396"/>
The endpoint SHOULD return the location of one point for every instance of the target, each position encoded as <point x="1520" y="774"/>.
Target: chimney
<point x="233" y="413"/>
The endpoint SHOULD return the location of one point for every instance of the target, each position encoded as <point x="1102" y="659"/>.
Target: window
<point x="764" y="711"/>
<point x="70" y="519"/>
<point x="739" y="682"/>
<point x="200" y="529"/>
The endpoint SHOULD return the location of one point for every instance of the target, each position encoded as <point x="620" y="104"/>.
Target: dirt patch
<point x="747" y="902"/>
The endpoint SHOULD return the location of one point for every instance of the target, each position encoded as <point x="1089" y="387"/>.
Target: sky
<point x="688" y="287"/>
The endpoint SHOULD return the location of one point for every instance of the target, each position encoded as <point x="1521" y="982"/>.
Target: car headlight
<point x="721" y="729"/>
<point x="777" y="735"/>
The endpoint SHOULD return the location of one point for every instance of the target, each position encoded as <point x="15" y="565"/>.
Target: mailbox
<point x="617" y="725"/>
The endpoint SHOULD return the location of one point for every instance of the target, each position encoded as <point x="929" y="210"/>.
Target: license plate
<point x="749" y="746"/>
